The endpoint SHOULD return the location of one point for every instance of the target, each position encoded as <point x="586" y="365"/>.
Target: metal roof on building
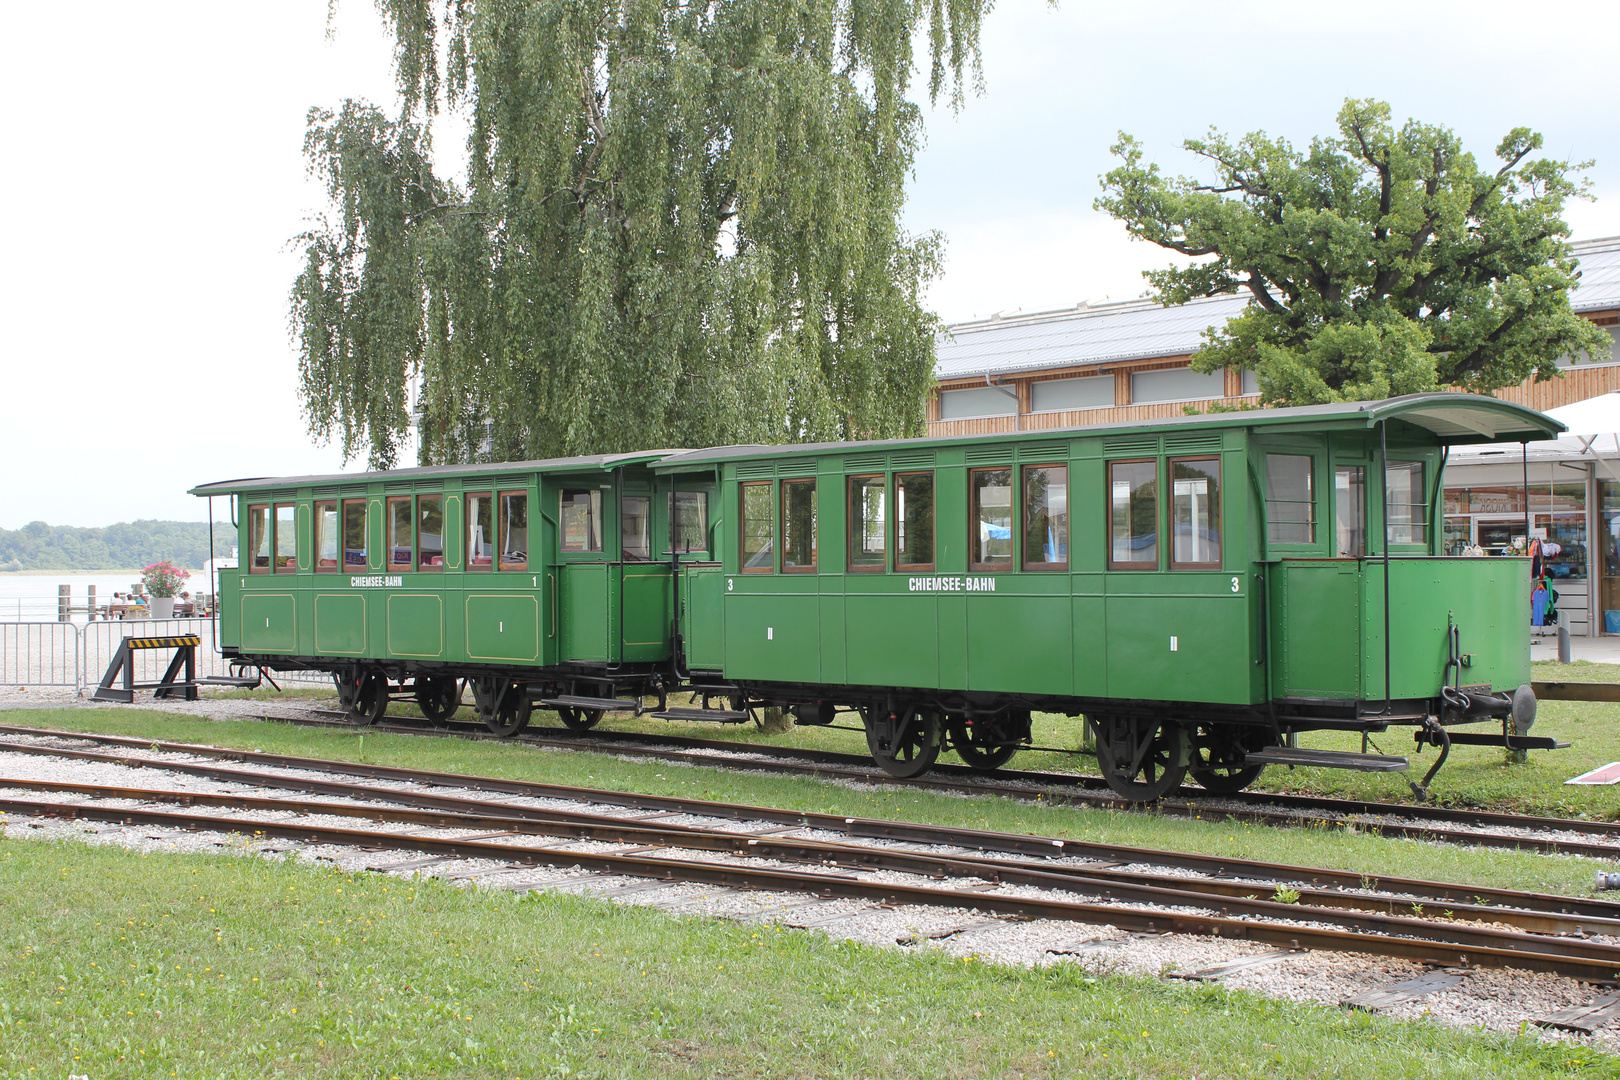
<point x="1142" y="329"/>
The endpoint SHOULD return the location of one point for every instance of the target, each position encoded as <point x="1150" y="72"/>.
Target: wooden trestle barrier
<point x="185" y="659"/>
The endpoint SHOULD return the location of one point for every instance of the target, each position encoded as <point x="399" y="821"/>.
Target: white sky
<point x="156" y="176"/>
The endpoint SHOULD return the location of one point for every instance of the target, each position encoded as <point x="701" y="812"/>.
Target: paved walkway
<point x="1600" y="650"/>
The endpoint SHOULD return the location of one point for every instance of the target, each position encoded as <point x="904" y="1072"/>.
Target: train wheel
<point x="370" y="699"/>
<point x="503" y="706"/>
<point x="981" y="743"/>
<point x="579" y="719"/>
<point x="438" y="698"/>
<point x="913" y="747"/>
<point x="1217" y="761"/>
<point x="1141" y="760"/>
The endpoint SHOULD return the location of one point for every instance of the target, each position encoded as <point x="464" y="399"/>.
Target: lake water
<point x="32" y="597"/>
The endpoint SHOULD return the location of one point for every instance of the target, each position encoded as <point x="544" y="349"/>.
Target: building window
<point x="326" y="537"/>
<point x="259" y="539"/>
<point x="868" y="522"/>
<point x="689" y="521"/>
<point x="1405" y="503"/>
<point x="1290" y="499"/>
<point x="976" y="402"/>
<point x="637" y="528"/>
<point x="1249" y="383"/>
<point x="286" y="538"/>
<point x="480" y="531"/>
<point x="1195" y="514"/>
<point x="798" y="525"/>
<point x="758" y="528"/>
<point x="1056" y="395"/>
<point x="1350" y="511"/>
<point x="399" y="534"/>
<point x="354" y="534"/>
<point x="1046" y="517"/>
<point x="513" y="525"/>
<point x="1133" y="506"/>
<point x="582" y="520"/>
<point x="1176" y="384"/>
<point x="914" y="521"/>
<point x="992" y="518"/>
<point x="430" y="532"/>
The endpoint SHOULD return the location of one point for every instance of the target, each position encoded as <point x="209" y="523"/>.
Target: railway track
<point x="1591" y="839"/>
<point x="1005" y="875"/>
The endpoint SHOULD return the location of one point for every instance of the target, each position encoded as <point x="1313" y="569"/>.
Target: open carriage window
<point x="286" y="538"/>
<point x="1405" y="503"/>
<point x="992" y="518"/>
<point x="582" y="520"/>
<point x="514" y="530"/>
<point x="399" y="534"/>
<point x="1046" y="517"/>
<point x="326" y="537"/>
<point x="637" y="528"/>
<point x="258" y="521"/>
<point x="1133" y="514"/>
<point x="868" y="522"/>
<point x="1195" y="513"/>
<point x="914" y="521"/>
<point x="480" y="531"/>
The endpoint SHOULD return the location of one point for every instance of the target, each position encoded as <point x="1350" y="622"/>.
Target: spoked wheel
<point x="913" y="746"/>
<point x="363" y="695"/>
<point x="1217" y="760"/>
<point x="503" y="706"/>
<point x="1141" y="759"/>
<point x="438" y="698"/>
<point x="982" y="742"/>
<point x="579" y="719"/>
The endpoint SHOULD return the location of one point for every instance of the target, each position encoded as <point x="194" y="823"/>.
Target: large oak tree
<point x="680" y="226"/>
<point x="1379" y="262"/>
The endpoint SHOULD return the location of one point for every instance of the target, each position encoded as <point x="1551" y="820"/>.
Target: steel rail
<point x="1096" y="879"/>
<point x="970" y="839"/>
<point x="1478" y="947"/>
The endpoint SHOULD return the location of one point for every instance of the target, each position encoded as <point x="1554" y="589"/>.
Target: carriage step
<point x="606" y="704"/>
<point x="716" y="716"/>
<point x="250" y="682"/>
<point x="1326" y="759"/>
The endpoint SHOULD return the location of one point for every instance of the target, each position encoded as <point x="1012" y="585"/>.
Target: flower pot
<point x="162" y="607"/>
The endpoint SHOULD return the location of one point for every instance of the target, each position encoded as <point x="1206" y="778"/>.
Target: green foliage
<point x="680" y="227"/>
<point x="1381" y="262"/>
<point x="38" y="546"/>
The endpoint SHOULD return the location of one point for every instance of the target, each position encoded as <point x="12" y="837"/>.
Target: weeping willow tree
<point x="680" y="226"/>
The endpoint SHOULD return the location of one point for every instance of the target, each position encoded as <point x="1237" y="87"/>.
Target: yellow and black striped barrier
<point x="180" y="642"/>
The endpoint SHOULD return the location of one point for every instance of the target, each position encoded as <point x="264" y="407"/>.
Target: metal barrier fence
<point x="76" y="655"/>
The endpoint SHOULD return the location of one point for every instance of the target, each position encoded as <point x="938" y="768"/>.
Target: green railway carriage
<point x="1202" y="589"/>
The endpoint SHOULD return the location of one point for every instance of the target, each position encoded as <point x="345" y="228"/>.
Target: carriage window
<point x="868" y="522"/>
<point x="259" y="539"/>
<point x="914" y="521"/>
<point x="1133" y="505"/>
<point x="480" y="531"/>
<point x="1046" y="518"/>
<point x="1404" y="503"/>
<point x="326" y="536"/>
<point x="689" y="521"/>
<point x="1349" y="511"/>
<point x="286" y="538"/>
<point x="354" y="534"/>
<point x="1195" y="512"/>
<point x="399" y="534"/>
<point x="430" y="532"/>
<point x="582" y="520"/>
<point x="1290" y="499"/>
<point x="514" y="530"/>
<point x="992" y="518"/>
<point x="758" y="528"/>
<point x="637" y="527"/>
<point x="798" y="525"/>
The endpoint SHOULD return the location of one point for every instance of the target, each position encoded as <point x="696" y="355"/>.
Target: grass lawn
<point x="114" y="964"/>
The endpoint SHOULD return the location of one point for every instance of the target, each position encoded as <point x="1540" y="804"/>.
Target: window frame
<point x="275" y="538"/>
<point x="337" y="513"/>
<point x="815" y="525"/>
<point x="1142" y="565"/>
<point x="365" y="530"/>
<point x="1219" y="517"/>
<point x="1346" y="465"/>
<point x="416" y="533"/>
<point x="674" y="502"/>
<point x="266" y="530"/>
<point x="470" y="524"/>
<point x="562" y="522"/>
<point x="1011" y="563"/>
<point x="624" y="546"/>
<point x="389" y="562"/>
<point x="1023" y="523"/>
<point x="933" y="523"/>
<point x="1422" y="519"/>
<point x="502" y="539"/>
<point x="882" y="565"/>
<point x="742" y="527"/>
<point x="1318" y="456"/>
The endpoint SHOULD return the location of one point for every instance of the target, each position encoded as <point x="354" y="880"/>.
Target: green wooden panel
<point x="1020" y="644"/>
<point x="340" y="624"/>
<point x="892" y="640"/>
<point x="833" y="625"/>
<point x="1090" y="646"/>
<point x="415" y="625"/>
<point x="702" y="622"/>
<point x="585" y="612"/>
<point x="1489" y="599"/>
<point x="1314" y="625"/>
<point x="269" y="622"/>
<point x="503" y="626"/>
<point x="646" y="612"/>
<point x="952" y="611"/>
<point x="1178" y="647"/>
<point x="773" y="636"/>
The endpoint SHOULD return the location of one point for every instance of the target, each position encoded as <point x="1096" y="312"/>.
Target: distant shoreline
<point x="70" y="573"/>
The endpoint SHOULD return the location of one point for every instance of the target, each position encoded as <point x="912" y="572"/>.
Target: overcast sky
<point x="156" y="177"/>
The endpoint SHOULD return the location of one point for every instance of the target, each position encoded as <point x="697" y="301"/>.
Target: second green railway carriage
<point x="1202" y="589"/>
